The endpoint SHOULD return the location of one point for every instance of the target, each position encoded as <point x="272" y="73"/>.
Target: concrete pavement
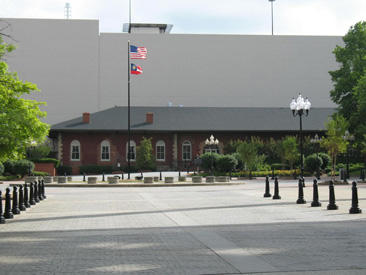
<point x="185" y="230"/>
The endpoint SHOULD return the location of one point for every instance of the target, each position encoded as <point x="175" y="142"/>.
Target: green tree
<point x="248" y="152"/>
<point x="144" y="155"/>
<point x="226" y="163"/>
<point x="334" y="142"/>
<point x="288" y="149"/>
<point x="20" y="119"/>
<point x="350" y="79"/>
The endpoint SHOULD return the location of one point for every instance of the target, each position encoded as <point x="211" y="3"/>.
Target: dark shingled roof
<point x="176" y="119"/>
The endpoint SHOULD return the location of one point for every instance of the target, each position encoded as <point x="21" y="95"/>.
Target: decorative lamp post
<point x="211" y="143"/>
<point x="299" y="107"/>
<point x="316" y="140"/>
<point x="349" y="138"/>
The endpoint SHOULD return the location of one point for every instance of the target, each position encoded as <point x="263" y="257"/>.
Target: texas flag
<point x="135" y="69"/>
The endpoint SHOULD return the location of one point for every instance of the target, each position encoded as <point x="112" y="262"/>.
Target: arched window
<point x="105" y="150"/>
<point x="160" y="150"/>
<point x="186" y="150"/>
<point x="132" y="150"/>
<point x="75" y="150"/>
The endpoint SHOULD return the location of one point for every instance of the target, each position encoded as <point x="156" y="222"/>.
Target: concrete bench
<point x="182" y="178"/>
<point x="113" y="179"/>
<point x="148" y="179"/>
<point x="197" y="179"/>
<point x="92" y="179"/>
<point x="210" y="179"/>
<point x="169" y="179"/>
<point x="222" y="179"/>
<point x="156" y="178"/>
<point x="48" y="179"/>
<point x="61" y="179"/>
<point x="30" y="179"/>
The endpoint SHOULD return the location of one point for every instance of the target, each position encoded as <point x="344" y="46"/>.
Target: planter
<point x="197" y="179"/>
<point x="222" y="179"/>
<point x="169" y="179"/>
<point x="148" y="179"/>
<point x="182" y="178"/>
<point x="113" y="179"/>
<point x="156" y="178"/>
<point x="61" y="179"/>
<point x="69" y="178"/>
<point x="210" y="179"/>
<point x="48" y="179"/>
<point x="92" y="179"/>
<point x="30" y="179"/>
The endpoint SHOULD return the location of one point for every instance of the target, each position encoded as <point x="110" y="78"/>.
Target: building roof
<point x="178" y="119"/>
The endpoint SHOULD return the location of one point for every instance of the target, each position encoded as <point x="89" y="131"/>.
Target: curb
<point x="119" y="185"/>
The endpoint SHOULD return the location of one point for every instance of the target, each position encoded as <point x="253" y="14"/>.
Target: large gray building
<point x="80" y="70"/>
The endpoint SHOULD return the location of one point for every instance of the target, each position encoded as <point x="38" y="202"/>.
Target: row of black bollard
<point x="21" y="201"/>
<point x="315" y="203"/>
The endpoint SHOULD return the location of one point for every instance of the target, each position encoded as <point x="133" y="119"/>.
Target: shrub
<point x="144" y="155"/>
<point x="96" y="169"/>
<point x="226" y="163"/>
<point x="240" y="165"/>
<point x="1" y="169"/>
<point x="9" y="167"/>
<point x="313" y="163"/>
<point x="40" y="174"/>
<point x="37" y="152"/>
<point x="278" y="166"/>
<point x="133" y="169"/>
<point x="325" y="160"/>
<point x="23" y="167"/>
<point x="61" y="170"/>
<point x="56" y="162"/>
<point x="209" y="160"/>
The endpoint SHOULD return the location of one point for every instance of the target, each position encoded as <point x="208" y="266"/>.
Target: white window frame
<point x="75" y="143"/>
<point x="105" y="143"/>
<point x="160" y="143"/>
<point x="133" y="145"/>
<point x="186" y="143"/>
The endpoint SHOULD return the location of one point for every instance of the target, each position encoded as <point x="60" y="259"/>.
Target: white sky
<point x="291" y="17"/>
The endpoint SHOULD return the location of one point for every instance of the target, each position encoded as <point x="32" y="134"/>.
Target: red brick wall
<point x="45" y="167"/>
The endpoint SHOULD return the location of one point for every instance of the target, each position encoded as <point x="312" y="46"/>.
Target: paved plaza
<point x="186" y="230"/>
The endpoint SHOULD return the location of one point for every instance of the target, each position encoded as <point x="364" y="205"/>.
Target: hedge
<point x="56" y="162"/>
<point x="96" y="169"/>
<point x="61" y="170"/>
<point x="40" y="174"/>
<point x="1" y="169"/>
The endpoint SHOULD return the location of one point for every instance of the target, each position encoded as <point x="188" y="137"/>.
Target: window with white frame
<point x="186" y="150"/>
<point x="75" y="150"/>
<point x="160" y="150"/>
<point x="132" y="150"/>
<point x="215" y="149"/>
<point x="105" y="150"/>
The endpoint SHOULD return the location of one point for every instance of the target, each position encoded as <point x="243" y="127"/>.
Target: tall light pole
<point x="272" y="12"/>
<point x="300" y="107"/>
<point x="211" y="143"/>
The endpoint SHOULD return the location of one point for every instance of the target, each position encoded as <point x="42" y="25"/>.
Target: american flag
<point x="138" y="52"/>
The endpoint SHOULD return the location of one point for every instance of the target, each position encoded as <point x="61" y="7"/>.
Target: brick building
<point x="178" y="133"/>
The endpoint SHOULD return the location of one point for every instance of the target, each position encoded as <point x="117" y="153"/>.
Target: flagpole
<point x="129" y="113"/>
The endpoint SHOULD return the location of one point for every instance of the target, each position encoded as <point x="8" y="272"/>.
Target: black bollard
<point x="332" y="205"/>
<point x="179" y="173"/>
<point x="43" y="190"/>
<point x="362" y="174"/>
<point x="2" y="218"/>
<point x="315" y="202"/>
<point x="103" y="177"/>
<point x="21" y="199"/>
<point x="354" y="209"/>
<point x="35" y="192"/>
<point x="31" y="195"/>
<point x="276" y="195"/>
<point x="142" y="175"/>
<point x="267" y="193"/>
<point x="273" y="175"/>
<point x="40" y="197"/>
<point x="8" y="214"/>
<point x="15" y="208"/>
<point x="303" y="182"/>
<point x="123" y="177"/>
<point x="300" y="199"/>
<point x="161" y="176"/>
<point x="83" y="176"/>
<point x="26" y="198"/>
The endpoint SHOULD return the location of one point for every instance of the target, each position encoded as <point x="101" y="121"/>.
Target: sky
<point x="291" y="17"/>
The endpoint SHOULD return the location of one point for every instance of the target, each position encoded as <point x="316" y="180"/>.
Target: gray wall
<point x="79" y="70"/>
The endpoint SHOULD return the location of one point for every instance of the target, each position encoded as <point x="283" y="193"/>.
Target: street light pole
<point x="272" y="12"/>
<point x="212" y="143"/>
<point x="300" y="107"/>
